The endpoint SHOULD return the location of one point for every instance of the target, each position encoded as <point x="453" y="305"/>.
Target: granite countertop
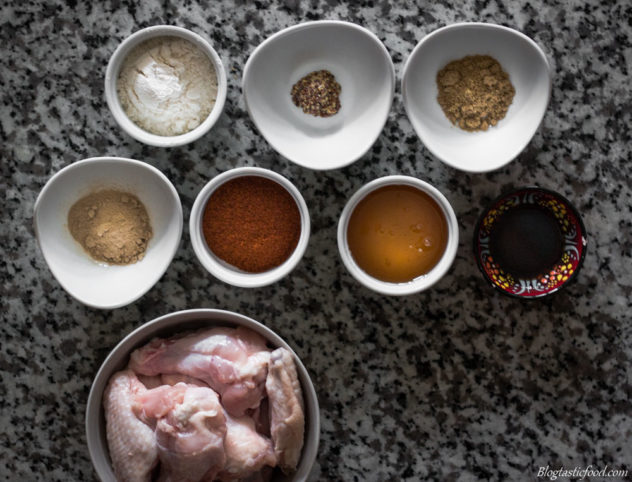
<point x="456" y="383"/>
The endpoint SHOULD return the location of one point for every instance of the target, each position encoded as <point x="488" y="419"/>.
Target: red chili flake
<point x="252" y="223"/>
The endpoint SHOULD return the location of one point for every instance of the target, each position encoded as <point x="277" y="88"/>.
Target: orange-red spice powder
<point x="252" y="223"/>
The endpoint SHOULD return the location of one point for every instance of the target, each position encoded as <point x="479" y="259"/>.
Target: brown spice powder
<point x="474" y="92"/>
<point x="317" y="94"/>
<point x="112" y="226"/>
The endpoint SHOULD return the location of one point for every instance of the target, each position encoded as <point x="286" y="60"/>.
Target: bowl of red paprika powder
<point x="249" y="227"/>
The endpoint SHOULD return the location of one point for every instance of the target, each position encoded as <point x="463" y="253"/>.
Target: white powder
<point x="167" y="86"/>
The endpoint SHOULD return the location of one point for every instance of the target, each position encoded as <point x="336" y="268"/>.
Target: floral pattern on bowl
<point x="574" y="249"/>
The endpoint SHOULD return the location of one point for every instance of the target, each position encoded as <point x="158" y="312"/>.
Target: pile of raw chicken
<point x="215" y="404"/>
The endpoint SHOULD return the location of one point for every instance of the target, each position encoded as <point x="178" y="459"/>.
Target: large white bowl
<point x="176" y="323"/>
<point x="88" y="281"/>
<point x="420" y="283"/>
<point x="361" y="65"/>
<point x="529" y="72"/>
<point x="112" y="74"/>
<point x="231" y="274"/>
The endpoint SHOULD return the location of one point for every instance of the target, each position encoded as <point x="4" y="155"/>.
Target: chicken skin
<point x="190" y="428"/>
<point x="233" y="362"/>
<point x="287" y="419"/>
<point x="133" y="447"/>
<point x="247" y="451"/>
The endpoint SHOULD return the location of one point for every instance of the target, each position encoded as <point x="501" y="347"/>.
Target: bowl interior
<point x="88" y="281"/>
<point x="176" y="323"/>
<point x="549" y="281"/>
<point x="529" y="73"/>
<point x="227" y="272"/>
<point x="360" y="64"/>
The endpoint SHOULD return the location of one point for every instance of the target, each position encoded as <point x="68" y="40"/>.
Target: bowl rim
<point x="512" y="192"/>
<point x="111" y="79"/>
<point x="85" y="163"/>
<point x="191" y="316"/>
<point x="224" y="272"/>
<point x="406" y="100"/>
<point x="422" y="282"/>
<point x="304" y="26"/>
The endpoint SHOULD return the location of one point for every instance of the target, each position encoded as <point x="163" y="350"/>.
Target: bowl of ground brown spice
<point x="249" y="227"/>
<point x="108" y="228"/>
<point x="476" y="94"/>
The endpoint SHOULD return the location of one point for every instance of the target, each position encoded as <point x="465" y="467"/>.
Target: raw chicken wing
<point x="233" y="362"/>
<point x="190" y="430"/>
<point x="247" y="451"/>
<point x="132" y="444"/>
<point x="287" y="419"/>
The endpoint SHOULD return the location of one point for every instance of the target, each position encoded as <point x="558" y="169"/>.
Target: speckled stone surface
<point x="457" y="383"/>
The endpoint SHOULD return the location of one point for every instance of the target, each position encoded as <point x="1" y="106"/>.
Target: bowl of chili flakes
<point x="249" y="227"/>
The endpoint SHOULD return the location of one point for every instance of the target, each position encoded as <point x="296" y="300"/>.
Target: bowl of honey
<point x="398" y="235"/>
<point x="530" y="242"/>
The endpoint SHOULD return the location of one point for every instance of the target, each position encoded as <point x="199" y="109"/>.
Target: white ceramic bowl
<point x="226" y="272"/>
<point x="361" y="65"/>
<point x="179" y="322"/>
<point x="528" y="70"/>
<point x="88" y="281"/>
<point x="112" y="74"/>
<point x="418" y="284"/>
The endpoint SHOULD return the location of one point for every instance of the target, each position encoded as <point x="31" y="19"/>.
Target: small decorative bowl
<point x="361" y="65"/>
<point x="112" y="74"/>
<point x="573" y="246"/>
<point x="179" y="322"/>
<point x="229" y="273"/>
<point x="529" y="72"/>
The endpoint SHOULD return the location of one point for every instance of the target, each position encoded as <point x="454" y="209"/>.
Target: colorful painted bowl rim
<point x="513" y="192"/>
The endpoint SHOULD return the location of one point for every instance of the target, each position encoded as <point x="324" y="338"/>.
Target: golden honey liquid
<point x="397" y="233"/>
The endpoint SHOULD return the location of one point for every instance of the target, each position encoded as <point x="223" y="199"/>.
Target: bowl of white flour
<point x="165" y="86"/>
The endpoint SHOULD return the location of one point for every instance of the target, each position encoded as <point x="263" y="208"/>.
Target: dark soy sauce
<point x="526" y="241"/>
